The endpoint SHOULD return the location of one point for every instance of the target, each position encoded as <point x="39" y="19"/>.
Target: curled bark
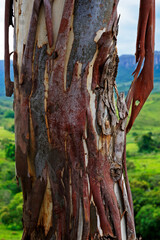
<point x="9" y="85"/>
<point x="142" y="84"/>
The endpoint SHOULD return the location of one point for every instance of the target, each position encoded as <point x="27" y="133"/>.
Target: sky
<point x="128" y="10"/>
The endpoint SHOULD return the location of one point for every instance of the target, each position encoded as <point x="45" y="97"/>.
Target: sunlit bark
<point x="70" y="139"/>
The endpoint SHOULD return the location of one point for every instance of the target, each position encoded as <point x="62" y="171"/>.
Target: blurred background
<point x="143" y="142"/>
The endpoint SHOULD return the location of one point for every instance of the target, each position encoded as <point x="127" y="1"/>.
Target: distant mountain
<point x="128" y="61"/>
<point x="126" y="67"/>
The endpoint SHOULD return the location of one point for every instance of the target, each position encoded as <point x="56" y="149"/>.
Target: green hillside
<point x="127" y="66"/>
<point x="148" y="119"/>
<point x="143" y="161"/>
<point x="10" y="193"/>
<point x="124" y="79"/>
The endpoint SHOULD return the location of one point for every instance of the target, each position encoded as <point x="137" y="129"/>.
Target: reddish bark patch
<point x="48" y="17"/>
<point x="143" y="81"/>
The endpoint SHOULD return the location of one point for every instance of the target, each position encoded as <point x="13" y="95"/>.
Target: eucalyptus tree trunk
<point x="70" y="131"/>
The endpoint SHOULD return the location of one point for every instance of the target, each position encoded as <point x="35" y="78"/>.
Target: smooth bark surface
<point x="70" y="131"/>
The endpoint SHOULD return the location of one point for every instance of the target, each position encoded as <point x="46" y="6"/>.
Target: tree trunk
<point x="70" y="141"/>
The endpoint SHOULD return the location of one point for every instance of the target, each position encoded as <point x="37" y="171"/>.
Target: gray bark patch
<point x="38" y="111"/>
<point x="89" y="17"/>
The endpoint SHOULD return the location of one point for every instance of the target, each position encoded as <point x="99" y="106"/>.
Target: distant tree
<point x="12" y="128"/>
<point x="10" y="151"/>
<point x="11" y="214"/>
<point x="146" y="143"/>
<point x="9" y="147"/>
<point x="148" y="222"/>
<point x="9" y="114"/>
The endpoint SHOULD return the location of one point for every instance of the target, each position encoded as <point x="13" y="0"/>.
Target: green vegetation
<point x="6" y="234"/>
<point x="11" y="215"/>
<point x="10" y="193"/>
<point x="6" y="118"/>
<point x="147" y="144"/>
<point x="126" y="67"/>
<point x="144" y="176"/>
<point x="143" y="162"/>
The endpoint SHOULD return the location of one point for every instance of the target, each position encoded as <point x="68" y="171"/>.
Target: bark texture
<point x="70" y="139"/>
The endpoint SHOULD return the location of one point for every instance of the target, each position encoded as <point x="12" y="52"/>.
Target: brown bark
<point x="70" y="142"/>
<point x="8" y="21"/>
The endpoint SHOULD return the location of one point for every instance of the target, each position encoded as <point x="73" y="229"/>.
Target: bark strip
<point x="9" y="85"/>
<point x="142" y="84"/>
<point x="48" y="17"/>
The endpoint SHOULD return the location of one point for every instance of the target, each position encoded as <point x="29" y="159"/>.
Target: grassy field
<point x="147" y="121"/>
<point x="6" y="234"/>
<point x="6" y="134"/>
<point x="148" y="164"/>
<point x="149" y="117"/>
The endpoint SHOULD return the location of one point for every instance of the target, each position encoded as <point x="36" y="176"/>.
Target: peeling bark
<point x="143" y="79"/>
<point x="70" y="139"/>
<point x="9" y="85"/>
